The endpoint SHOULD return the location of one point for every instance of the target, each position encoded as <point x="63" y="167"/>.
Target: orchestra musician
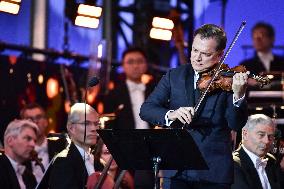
<point x="19" y="141"/>
<point x="73" y="165"/>
<point x="222" y="111"/>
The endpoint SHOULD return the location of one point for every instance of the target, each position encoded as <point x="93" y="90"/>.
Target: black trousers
<point x="182" y="184"/>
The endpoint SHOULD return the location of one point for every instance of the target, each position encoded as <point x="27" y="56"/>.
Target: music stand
<point x="153" y="149"/>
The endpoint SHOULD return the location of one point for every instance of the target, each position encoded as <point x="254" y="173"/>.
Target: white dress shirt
<point x="266" y="59"/>
<point x="137" y="97"/>
<point x="19" y="170"/>
<point x="260" y="168"/>
<point x="42" y="152"/>
<point x="89" y="160"/>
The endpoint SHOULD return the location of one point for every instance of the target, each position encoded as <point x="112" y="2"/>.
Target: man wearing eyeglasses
<point x="46" y="149"/>
<point x="74" y="164"/>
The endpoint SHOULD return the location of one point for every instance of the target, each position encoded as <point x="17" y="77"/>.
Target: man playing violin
<point x="220" y="112"/>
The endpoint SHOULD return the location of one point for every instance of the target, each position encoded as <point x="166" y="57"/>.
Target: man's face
<point x="23" y="144"/>
<point x="259" y="139"/>
<point x="38" y="117"/>
<point x="134" y="65"/>
<point x="261" y="41"/>
<point x="204" y="54"/>
<point x="77" y="129"/>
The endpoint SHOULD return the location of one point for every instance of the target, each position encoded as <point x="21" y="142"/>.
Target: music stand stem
<point x="156" y="162"/>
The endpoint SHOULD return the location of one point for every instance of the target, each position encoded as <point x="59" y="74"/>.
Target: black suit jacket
<point x="68" y="170"/>
<point x="120" y="95"/>
<point x="245" y="174"/>
<point x="55" y="146"/>
<point x="255" y="65"/>
<point x="8" y="178"/>
<point x="216" y="118"/>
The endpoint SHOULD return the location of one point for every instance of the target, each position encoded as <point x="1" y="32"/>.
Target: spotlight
<point x="88" y="16"/>
<point x="161" y="28"/>
<point x="85" y="15"/>
<point x="10" y="6"/>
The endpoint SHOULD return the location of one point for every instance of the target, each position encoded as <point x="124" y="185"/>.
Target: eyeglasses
<point x="137" y="61"/>
<point x="36" y="117"/>
<point x="90" y="123"/>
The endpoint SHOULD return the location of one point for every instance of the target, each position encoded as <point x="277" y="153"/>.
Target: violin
<point x="224" y="79"/>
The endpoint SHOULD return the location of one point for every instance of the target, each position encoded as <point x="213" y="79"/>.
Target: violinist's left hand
<point x="239" y="84"/>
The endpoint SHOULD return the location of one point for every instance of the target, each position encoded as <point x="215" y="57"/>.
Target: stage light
<point x="161" y="28"/>
<point x="87" y="22"/>
<point x="88" y="16"/>
<point x="10" y="6"/>
<point x="163" y="23"/>
<point x="89" y="10"/>
<point x="161" y="34"/>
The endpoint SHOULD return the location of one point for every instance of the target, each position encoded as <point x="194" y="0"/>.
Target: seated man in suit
<point x="74" y="164"/>
<point x="254" y="167"/>
<point x="45" y="149"/>
<point x="19" y="142"/>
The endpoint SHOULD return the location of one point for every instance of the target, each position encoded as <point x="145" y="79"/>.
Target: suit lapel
<point x="11" y="173"/>
<point x="247" y="164"/>
<point x="79" y="162"/>
<point x="271" y="175"/>
<point x="189" y="86"/>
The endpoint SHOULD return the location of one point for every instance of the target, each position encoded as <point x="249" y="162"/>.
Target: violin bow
<point x="219" y="66"/>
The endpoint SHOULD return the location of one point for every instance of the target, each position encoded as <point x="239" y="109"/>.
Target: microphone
<point x="93" y="82"/>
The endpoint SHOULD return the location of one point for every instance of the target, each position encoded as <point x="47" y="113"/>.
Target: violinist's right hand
<point x="93" y="179"/>
<point x="183" y="114"/>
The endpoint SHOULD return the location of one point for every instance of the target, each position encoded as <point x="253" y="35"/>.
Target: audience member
<point x="254" y="167"/>
<point x="19" y="142"/>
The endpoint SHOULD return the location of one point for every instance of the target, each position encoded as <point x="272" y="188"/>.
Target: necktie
<point x="20" y="169"/>
<point x="261" y="164"/>
<point x="29" y="178"/>
<point x="89" y="163"/>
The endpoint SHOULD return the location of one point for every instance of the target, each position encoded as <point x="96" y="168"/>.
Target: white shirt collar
<point x="252" y="156"/>
<point x="42" y="147"/>
<point x="13" y="162"/>
<point x="132" y="86"/>
<point x="266" y="59"/>
<point x="82" y="151"/>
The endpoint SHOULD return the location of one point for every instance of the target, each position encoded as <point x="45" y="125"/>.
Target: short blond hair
<point x="16" y="126"/>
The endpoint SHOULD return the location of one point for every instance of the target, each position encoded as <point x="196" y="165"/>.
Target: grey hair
<point x="256" y="119"/>
<point x="77" y="111"/>
<point x="15" y="127"/>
